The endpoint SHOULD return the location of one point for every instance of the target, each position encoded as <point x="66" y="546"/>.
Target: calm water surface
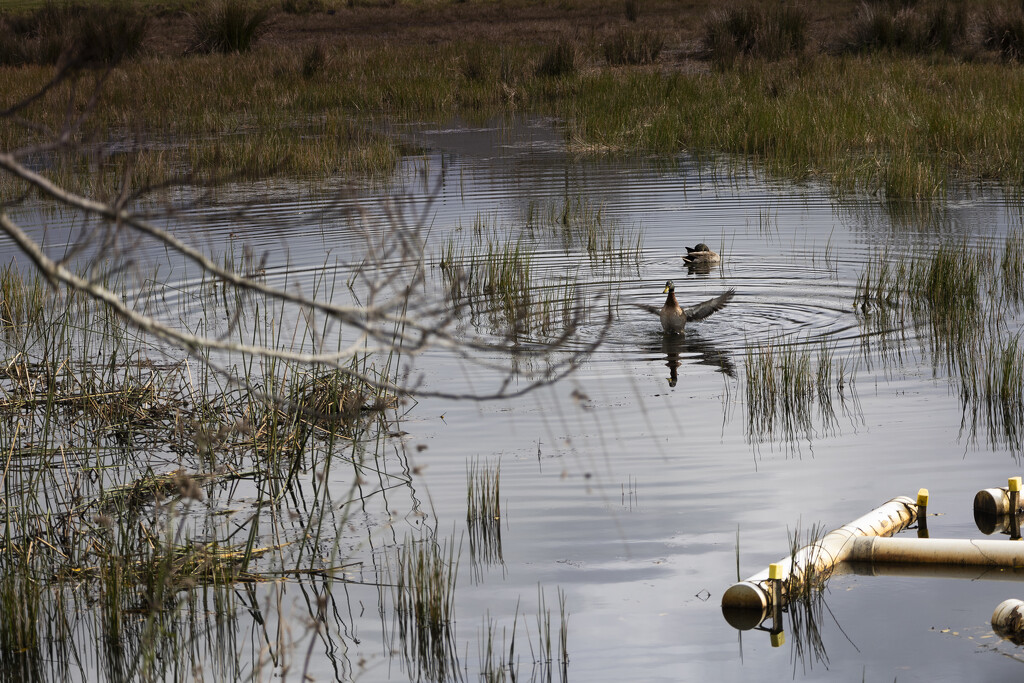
<point x="622" y="490"/>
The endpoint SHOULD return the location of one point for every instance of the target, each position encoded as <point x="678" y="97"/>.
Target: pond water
<point x="638" y="498"/>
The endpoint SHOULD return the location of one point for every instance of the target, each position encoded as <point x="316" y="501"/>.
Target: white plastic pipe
<point x="954" y="552"/>
<point x="755" y="592"/>
<point x="1008" y="620"/>
<point x="993" y="502"/>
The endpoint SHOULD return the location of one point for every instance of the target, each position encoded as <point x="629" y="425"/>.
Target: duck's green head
<point x="669" y="287"/>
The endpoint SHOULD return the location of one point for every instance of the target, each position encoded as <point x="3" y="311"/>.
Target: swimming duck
<point x="701" y="254"/>
<point x="674" y="317"/>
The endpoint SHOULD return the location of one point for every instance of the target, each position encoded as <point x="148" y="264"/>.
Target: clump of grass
<point x="948" y="287"/>
<point x="497" y="282"/>
<point x="336" y="400"/>
<point x="500" y="663"/>
<point x="769" y="34"/>
<point x="779" y="389"/>
<point x="931" y="27"/>
<point x="805" y="589"/>
<point x="784" y="381"/>
<point x="1011" y="267"/>
<point x="424" y="593"/>
<point x="303" y="6"/>
<point x="20" y="642"/>
<point x="630" y="46"/>
<point x="483" y="514"/>
<point x="314" y="60"/>
<point x="992" y="383"/>
<point x="806" y="579"/>
<point x="580" y="224"/>
<point x="632" y="10"/>
<point x="1002" y="29"/>
<point x="544" y="654"/>
<point x="22" y="302"/>
<point x="93" y="35"/>
<point x="880" y="285"/>
<point x="906" y="175"/>
<point x="945" y="283"/>
<point x="475" y="65"/>
<point x="227" y="26"/>
<point x="561" y="60"/>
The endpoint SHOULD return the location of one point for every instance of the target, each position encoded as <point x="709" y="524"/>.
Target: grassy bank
<point x="900" y="122"/>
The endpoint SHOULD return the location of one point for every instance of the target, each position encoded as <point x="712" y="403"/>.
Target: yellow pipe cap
<point x="922" y="497"/>
<point x="1014" y="483"/>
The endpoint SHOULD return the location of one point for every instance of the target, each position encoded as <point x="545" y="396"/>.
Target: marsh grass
<point x="899" y="126"/>
<point x="227" y="26"/>
<point x="504" y="276"/>
<point x="964" y="301"/>
<point x="334" y="402"/>
<point x="767" y="33"/>
<point x="559" y="61"/>
<point x="501" y="662"/>
<point x="546" y="659"/>
<point x="91" y="35"/>
<point x="90" y="415"/>
<point x="495" y="280"/>
<point x="1002" y="29"/>
<point x="785" y="381"/>
<point x="314" y="60"/>
<point x="632" y="10"/>
<point x="303" y="6"/>
<point x="580" y="224"/>
<point x="920" y="28"/>
<point x="992" y="389"/>
<point x="483" y="515"/>
<point x="633" y="46"/>
<point x="1011" y="267"/>
<point x="940" y="292"/>
<point x="805" y="589"/>
<point x="424" y="598"/>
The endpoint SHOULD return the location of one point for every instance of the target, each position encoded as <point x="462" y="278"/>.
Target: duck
<point x="674" y="317"/>
<point x="701" y="254"/>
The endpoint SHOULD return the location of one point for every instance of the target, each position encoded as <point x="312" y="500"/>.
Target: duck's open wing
<point x="706" y="308"/>
<point x="656" y="310"/>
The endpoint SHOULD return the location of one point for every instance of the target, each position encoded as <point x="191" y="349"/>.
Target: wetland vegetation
<point x="900" y="100"/>
<point x="209" y="470"/>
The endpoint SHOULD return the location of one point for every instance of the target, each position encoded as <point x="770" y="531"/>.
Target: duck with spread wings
<point x="674" y="317"/>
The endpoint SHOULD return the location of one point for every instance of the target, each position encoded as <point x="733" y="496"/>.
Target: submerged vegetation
<point x="962" y="300"/>
<point x="785" y="380"/>
<point x="82" y="399"/>
<point x="502" y="279"/>
<point x="154" y="492"/>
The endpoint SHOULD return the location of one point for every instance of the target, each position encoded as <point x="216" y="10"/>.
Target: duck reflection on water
<point x="674" y="347"/>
